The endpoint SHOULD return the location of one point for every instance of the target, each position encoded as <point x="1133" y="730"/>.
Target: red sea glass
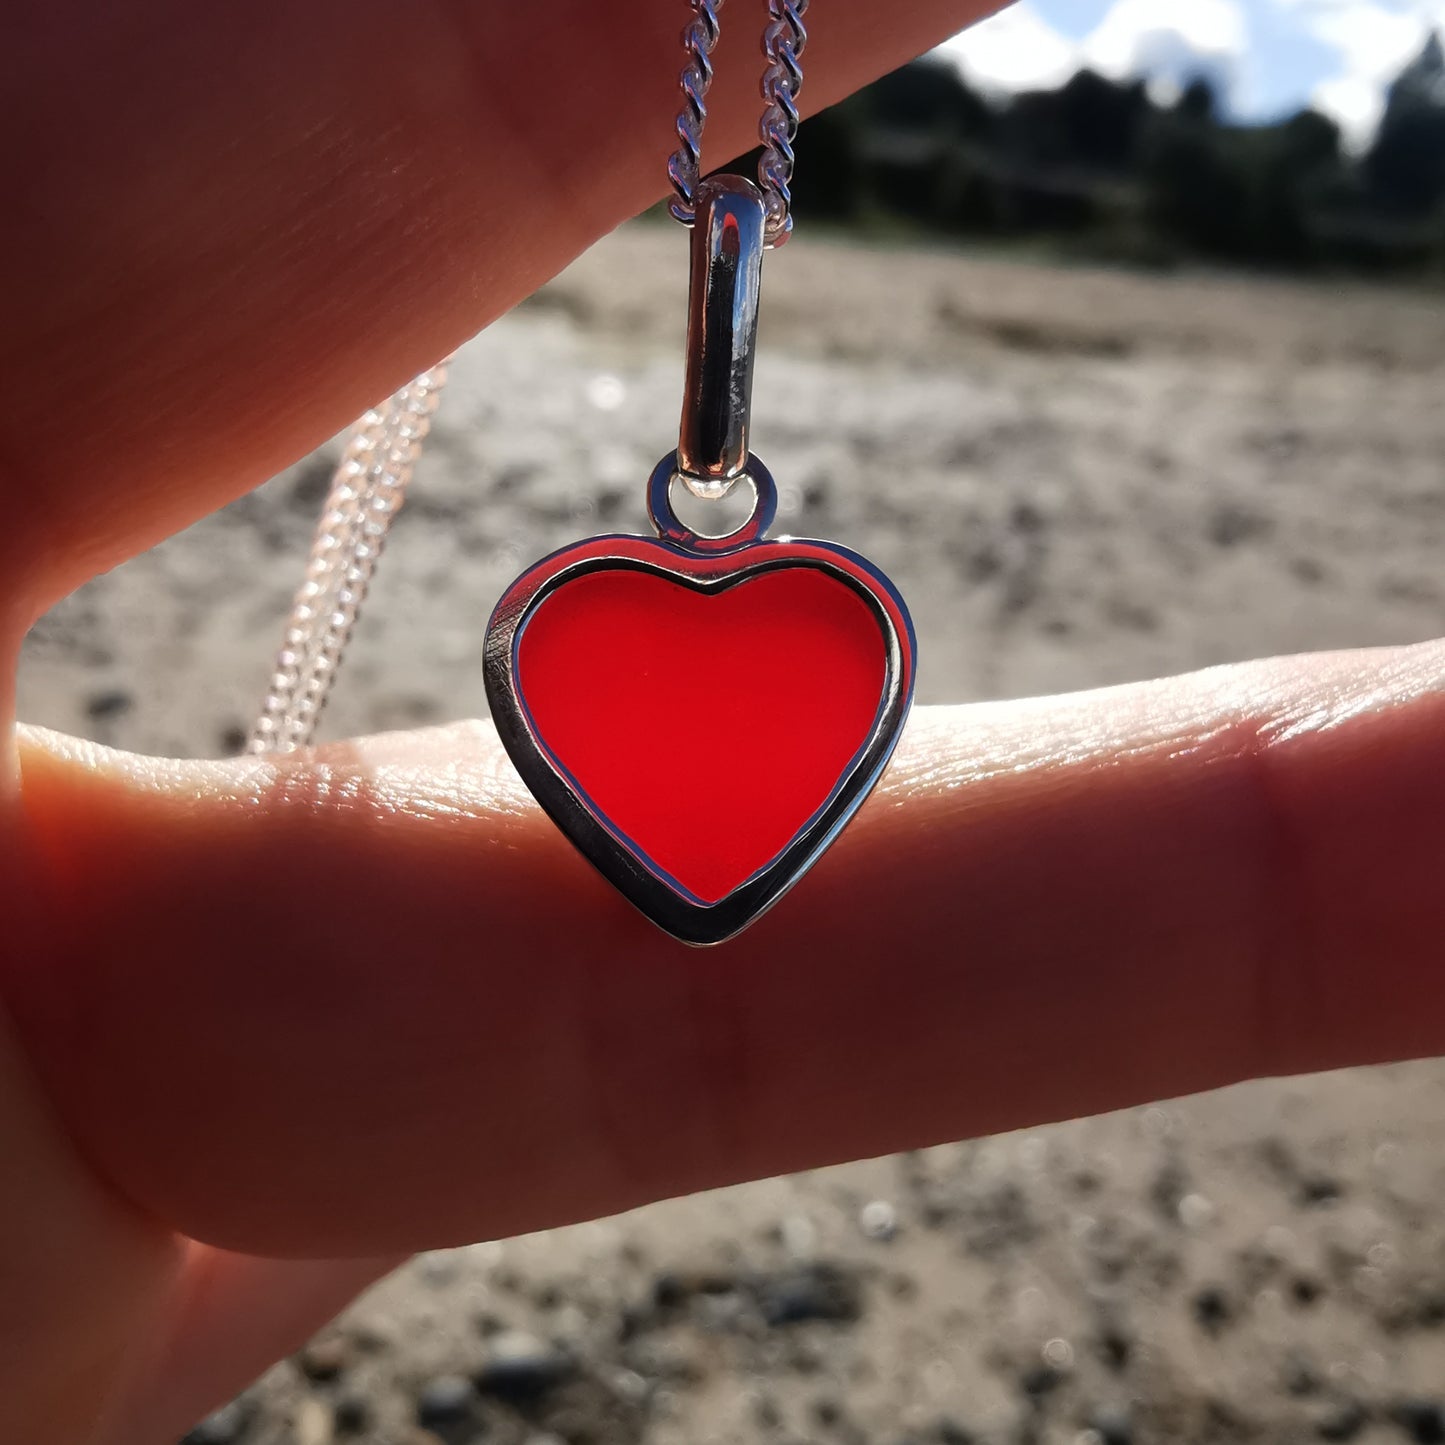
<point x="707" y="727"/>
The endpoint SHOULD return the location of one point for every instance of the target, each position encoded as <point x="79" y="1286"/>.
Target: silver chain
<point x="783" y="42"/>
<point x="367" y="490"/>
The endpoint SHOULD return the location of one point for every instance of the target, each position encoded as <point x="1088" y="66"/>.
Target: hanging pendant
<point x="701" y="715"/>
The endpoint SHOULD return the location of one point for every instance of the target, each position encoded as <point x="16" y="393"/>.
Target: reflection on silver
<point x="722" y="329"/>
<point x="708" y="564"/>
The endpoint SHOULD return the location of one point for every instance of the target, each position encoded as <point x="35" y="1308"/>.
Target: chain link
<point x="367" y="490"/>
<point x="783" y="40"/>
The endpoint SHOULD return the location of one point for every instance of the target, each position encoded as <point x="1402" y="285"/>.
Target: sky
<point x="1266" y="57"/>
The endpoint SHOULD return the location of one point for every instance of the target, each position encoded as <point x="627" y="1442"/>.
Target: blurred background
<point x="1114" y="333"/>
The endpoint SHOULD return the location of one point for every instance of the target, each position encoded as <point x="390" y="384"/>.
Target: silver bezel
<point x="706" y="566"/>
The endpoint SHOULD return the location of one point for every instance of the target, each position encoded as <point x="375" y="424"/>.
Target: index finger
<point x="352" y="960"/>
<point x="233" y="226"/>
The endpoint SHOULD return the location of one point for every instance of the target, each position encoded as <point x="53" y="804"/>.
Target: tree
<point x="1405" y="168"/>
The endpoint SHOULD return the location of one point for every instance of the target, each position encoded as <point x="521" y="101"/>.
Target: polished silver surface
<point x="698" y="38"/>
<point x="783" y="40"/>
<point x="706" y="565"/>
<point x="783" y="43"/>
<point x="722" y="334"/>
<point x="367" y="491"/>
<point x="671" y="528"/>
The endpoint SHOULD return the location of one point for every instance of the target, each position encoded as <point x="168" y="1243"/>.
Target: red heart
<point x="707" y="727"/>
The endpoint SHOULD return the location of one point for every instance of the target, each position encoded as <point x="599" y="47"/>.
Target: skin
<point x="223" y="1109"/>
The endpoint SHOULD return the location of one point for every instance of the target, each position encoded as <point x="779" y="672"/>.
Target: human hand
<point x="232" y="228"/>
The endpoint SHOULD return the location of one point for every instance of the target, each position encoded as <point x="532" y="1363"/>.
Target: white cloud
<point x="1154" y="37"/>
<point x="1375" y="42"/>
<point x="1014" y="50"/>
<point x="1164" y="40"/>
<point x="1354" y="104"/>
<point x="1172" y="41"/>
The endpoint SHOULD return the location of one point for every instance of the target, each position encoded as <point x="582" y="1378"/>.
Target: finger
<point x="235" y="1316"/>
<point x="371" y="1000"/>
<point x="254" y="219"/>
<point x="82" y="1272"/>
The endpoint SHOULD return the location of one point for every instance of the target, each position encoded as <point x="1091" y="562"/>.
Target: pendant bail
<point x="728" y="240"/>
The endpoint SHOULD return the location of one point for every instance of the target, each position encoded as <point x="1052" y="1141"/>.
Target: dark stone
<point x="1040" y="1381"/>
<point x="1342" y="1421"/>
<point x="523" y="1372"/>
<point x="1229" y="525"/>
<point x="631" y="1322"/>
<point x="1422" y="1420"/>
<point x="444" y="1401"/>
<point x="809" y="1293"/>
<point x="1212" y="1309"/>
<point x="108" y="704"/>
<point x="950" y="1432"/>
<point x="233" y="740"/>
<point x="312" y="483"/>
<point x="668" y="1291"/>
<point x="1305" y="1291"/>
<point x="1115" y="1348"/>
<point x="1026" y="518"/>
<point x="671" y="1290"/>
<point x="227" y="1426"/>
<point x="1318" y="1189"/>
<point x="352" y="1415"/>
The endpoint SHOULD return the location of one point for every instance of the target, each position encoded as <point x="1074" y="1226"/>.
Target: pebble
<point x="1195" y="1211"/>
<point x="444" y="1401"/>
<point x="324" y="1359"/>
<point x="108" y="704"/>
<point x="1319" y="1189"/>
<point x="1039" y="1381"/>
<point x="352" y="1415"/>
<point x="672" y="1288"/>
<point x="813" y="1292"/>
<point x="1059" y="1353"/>
<point x="522" y="1369"/>
<point x="1422" y="1420"/>
<point x="1212" y="1309"/>
<point x="878" y="1220"/>
<point x="1342" y="1420"/>
<point x="314" y="1424"/>
<point x="950" y="1432"/>
<point x="1115" y="1347"/>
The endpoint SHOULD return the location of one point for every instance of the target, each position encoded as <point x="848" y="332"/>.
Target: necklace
<point x="636" y="681"/>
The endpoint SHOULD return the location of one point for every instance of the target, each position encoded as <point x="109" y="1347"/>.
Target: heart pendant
<point x="701" y="716"/>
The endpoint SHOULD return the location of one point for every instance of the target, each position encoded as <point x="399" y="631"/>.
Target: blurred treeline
<point x="1098" y="168"/>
